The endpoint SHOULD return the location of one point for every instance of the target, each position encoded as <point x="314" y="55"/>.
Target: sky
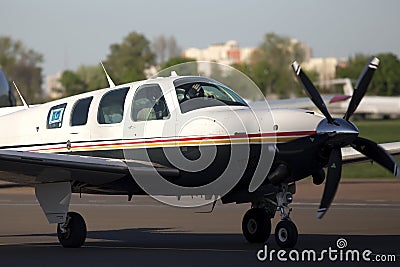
<point x="75" y="32"/>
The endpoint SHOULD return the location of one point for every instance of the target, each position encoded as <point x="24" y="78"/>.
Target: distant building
<point x="325" y="67"/>
<point x="225" y="53"/>
<point x="54" y="86"/>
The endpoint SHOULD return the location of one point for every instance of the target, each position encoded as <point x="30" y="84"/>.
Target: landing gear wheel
<point x="72" y="234"/>
<point x="256" y="225"/>
<point x="286" y="234"/>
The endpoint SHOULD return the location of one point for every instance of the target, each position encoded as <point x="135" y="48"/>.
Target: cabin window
<point x="149" y="104"/>
<point x="111" y="107"/>
<point x="55" y="116"/>
<point x="80" y="111"/>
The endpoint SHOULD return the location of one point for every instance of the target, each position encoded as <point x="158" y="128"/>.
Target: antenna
<point x="110" y="82"/>
<point x="20" y="96"/>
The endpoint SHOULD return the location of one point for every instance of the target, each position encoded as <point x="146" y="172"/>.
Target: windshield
<point x="198" y="92"/>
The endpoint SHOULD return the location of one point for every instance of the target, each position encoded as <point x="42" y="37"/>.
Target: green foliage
<point x="72" y="83"/>
<point x="270" y="68"/>
<point x="22" y="65"/>
<point x="129" y="59"/>
<point x="125" y="63"/>
<point x="85" y="79"/>
<point x="386" y="81"/>
<point x="92" y="76"/>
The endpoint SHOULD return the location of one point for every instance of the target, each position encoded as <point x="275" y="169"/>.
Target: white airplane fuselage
<point x="218" y="126"/>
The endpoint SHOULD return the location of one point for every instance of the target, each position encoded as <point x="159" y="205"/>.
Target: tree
<point x="386" y="81"/>
<point x="165" y="48"/>
<point x="159" y="48"/>
<point x="173" y="48"/>
<point x="128" y="60"/>
<point x="269" y="66"/>
<point x="72" y="84"/>
<point x="92" y="76"/>
<point x="86" y="78"/>
<point x="22" y="65"/>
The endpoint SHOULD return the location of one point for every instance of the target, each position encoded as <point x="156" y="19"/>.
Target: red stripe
<point x="218" y="137"/>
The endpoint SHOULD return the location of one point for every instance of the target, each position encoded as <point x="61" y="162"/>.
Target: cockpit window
<point x="197" y="92"/>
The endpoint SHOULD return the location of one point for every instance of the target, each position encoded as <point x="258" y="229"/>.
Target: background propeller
<point x="342" y="133"/>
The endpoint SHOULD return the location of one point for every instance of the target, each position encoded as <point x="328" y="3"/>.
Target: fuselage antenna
<point x="110" y="82"/>
<point x="20" y="96"/>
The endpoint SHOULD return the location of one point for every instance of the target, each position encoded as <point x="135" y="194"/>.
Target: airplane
<point x="372" y="106"/>
<point x="183" y="136"/>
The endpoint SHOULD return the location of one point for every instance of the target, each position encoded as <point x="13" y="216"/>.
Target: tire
<point x="256" y="225"/>
<point x="286" y="234"/>
<point x="76" y="232"/>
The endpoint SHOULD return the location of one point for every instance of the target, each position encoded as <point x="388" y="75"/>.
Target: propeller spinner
<point x="342" y="133"/>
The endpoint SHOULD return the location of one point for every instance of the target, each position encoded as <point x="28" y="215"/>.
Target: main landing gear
<point x="72" y="233"/>
<point x="256" y="224"/>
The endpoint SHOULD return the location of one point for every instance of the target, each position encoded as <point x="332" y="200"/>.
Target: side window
<point x="111" y="107"/>
<point x="80" y="111"/>
<point x="149" y="104"/>
<point x="55" y="116"/>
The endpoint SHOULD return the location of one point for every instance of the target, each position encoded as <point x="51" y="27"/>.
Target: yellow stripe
<point x="174" y="143"/>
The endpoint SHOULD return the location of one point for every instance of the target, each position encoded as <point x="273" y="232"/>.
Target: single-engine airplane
<point x="106" y="141"/>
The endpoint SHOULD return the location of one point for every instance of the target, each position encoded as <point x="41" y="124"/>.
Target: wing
<point x="302" y="103"/>
<point x="350" y="155"/>
<point x="94" y="173"/>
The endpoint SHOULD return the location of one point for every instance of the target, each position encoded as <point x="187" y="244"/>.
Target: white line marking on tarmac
<point x="350" y="204"/>
<point x="136" y="247"/>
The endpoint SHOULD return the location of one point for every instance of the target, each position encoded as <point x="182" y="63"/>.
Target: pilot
<point x="195" y="91"/>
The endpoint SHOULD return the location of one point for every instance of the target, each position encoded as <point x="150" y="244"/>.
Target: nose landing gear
<point x="286" y="234"/>
<point x="256" y="224"/>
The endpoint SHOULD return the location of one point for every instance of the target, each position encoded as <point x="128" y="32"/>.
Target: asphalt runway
<point x="144" y="232"/>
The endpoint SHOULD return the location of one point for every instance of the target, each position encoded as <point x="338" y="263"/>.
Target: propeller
<point x="342" y="133"/>
<point x="375" y="152"/>
<point x="332" y="181"/>
<point x="361" y="86"/>
<point x="312" y="92"/>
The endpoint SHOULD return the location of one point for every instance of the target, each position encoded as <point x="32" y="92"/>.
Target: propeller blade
<point x="311" y="91"/>
<point x="375" y="152"/>
<point x="332" y="181"/>
<point x="361" y="86"/>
